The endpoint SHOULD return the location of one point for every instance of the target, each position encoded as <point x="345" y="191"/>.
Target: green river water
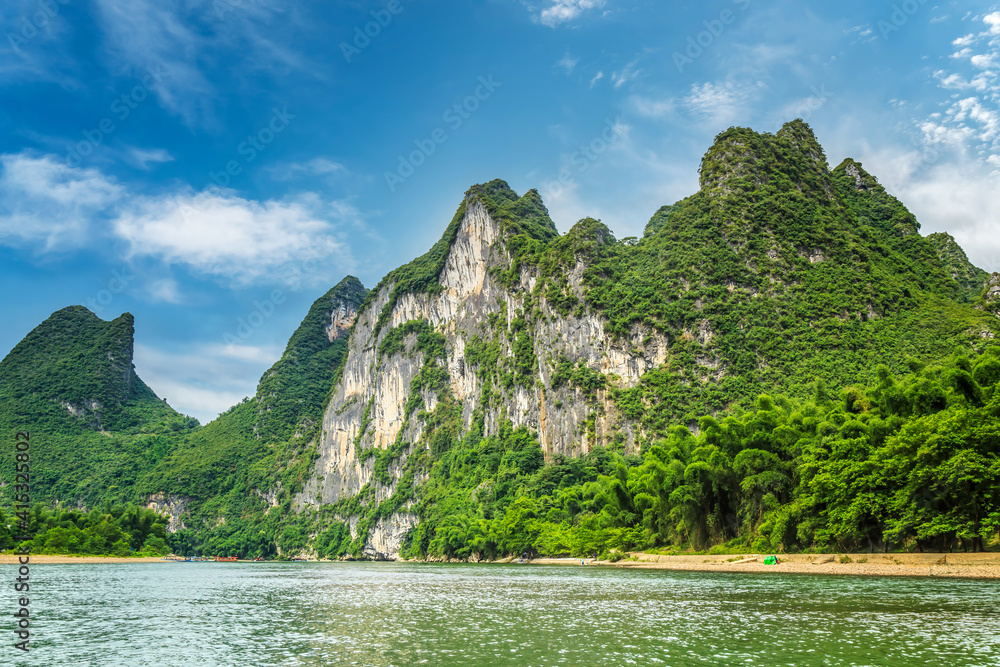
<point x="208" y="614"/>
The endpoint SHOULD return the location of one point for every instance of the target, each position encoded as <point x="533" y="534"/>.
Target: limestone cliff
<point x="369" y="407"/>
<point x="990" y="300"/>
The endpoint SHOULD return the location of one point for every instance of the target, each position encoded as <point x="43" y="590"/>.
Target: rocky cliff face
<point x="956" y="263"/>
<point x="173" y="505"/>
<point x="991" y="295"/>
<point x="583" y="340"/>
<point x="368" y="409"/>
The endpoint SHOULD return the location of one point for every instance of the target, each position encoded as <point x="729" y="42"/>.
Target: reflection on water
<point x="380" y="614"/>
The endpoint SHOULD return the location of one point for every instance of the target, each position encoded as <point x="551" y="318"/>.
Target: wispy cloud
<point x="316" y="168"/>
<point x="565" y="11"/>
<point x="205" y="379"/>
<point x="32" y="42"/>
<point x="44" y="202"/>
<point x="146" y="158"/>
<point x="178" y="36"/>
<point x="221" y="234"/>
<point x="165" y="290"/>
<point x="567" y="63"/>
<point x="652" y="108"/>
<point x="51" y="206"/>
<point x="142" y="33"/>
<point x="862" y="33"/>
<point x="626" y="74"/>
<point x="723" y="102"/>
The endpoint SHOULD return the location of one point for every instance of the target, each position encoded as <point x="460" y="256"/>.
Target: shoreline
<point x="948" y="565"/>
<point x="46" y="559"/>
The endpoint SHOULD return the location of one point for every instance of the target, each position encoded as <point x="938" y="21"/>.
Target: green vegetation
<point x="114" y="531"/>
<point x="96" y="427"/>
<point x="241" y="471"/>
<point x="828" y="383"/>
<point x="910" y="462"/>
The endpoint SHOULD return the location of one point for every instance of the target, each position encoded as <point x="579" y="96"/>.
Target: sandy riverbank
<point x="7" y="559"/>
<point x="963" y="565"/>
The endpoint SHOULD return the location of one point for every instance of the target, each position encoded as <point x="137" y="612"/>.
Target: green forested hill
<point x="96" y="427"/>
<point x="257" y="454"/>
<point x="830" y="382"/>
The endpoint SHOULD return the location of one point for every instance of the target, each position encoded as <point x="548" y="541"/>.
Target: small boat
<point x="226" y="559"/>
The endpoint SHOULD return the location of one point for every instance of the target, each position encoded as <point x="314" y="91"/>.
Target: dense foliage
<point x="910" y="462"/>
<point x="114" y="531"/>
<point x="96" y="427"/>
<point x="828" y="385"/>
<point x="247" y="465"/>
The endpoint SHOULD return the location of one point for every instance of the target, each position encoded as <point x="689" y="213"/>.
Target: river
<point x="381" y="614"/>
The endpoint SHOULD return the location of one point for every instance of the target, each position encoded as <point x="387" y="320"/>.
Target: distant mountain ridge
<point x="780" y="275"/>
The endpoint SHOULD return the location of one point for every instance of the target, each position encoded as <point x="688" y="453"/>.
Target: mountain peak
<point x="345" y="299"/>
<point x="741" y="156"/>
<point x="863" y="181"/>
<point x="957" y="265"/>
<point x="875" y="205"/>
<point x="515" y="214"/>
<point x="85" y="364"/>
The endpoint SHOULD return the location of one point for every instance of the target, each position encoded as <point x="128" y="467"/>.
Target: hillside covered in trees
<point x="781" y="362"/>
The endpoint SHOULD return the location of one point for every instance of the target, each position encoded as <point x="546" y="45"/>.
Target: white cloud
<point x="969" y="124"/>
<point x="946" y="192"/>
<point x="628" y="73"/>
<point x="568" y="63"/>
<point x="992" y="22"/>
<point x="724" y="102"/>
<point x="317" y="167"/>
<point x="940" y="134"/>
<point x="984" y="61"/>
<point x="207" y="379"/>
<point x="597" y="77"/>
<point x="964" y="201"/>
<point x="651" y="108"/>
<point x="144" y="158"/>
<point x="44" y="201"/>
<point x="218" y="233"/>
<point x="564" y="11"/>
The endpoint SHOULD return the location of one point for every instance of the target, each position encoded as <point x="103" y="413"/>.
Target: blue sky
<point x="196" y="162"/>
